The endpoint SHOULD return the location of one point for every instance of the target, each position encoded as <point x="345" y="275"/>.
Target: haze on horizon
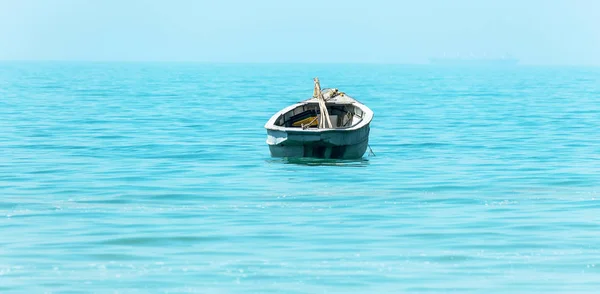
<point x="377" y="31"/>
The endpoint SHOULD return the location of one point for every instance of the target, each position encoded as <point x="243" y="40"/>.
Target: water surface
<point x="135" y="177"/>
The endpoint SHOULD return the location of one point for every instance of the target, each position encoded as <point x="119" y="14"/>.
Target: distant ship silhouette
<point x="473" y="61"/>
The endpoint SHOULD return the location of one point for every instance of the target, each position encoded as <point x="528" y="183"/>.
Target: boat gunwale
<point x="365" y="119"/>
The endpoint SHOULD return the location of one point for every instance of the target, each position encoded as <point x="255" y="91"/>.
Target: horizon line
<point x="270" y="62"/>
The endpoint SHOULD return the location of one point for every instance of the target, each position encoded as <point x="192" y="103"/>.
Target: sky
<point x="563" y="32"/>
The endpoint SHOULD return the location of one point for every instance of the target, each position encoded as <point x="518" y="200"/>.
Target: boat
<point x="329" y="125"/>
<point x="474" y="61"/>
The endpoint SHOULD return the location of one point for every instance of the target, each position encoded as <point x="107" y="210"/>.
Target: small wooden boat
<point x="331" y="124"/>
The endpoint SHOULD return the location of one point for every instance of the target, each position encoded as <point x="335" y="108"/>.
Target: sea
<point x="156" y="178"/>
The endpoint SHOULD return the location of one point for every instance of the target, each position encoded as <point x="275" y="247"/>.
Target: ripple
<point x="156" y="177"/>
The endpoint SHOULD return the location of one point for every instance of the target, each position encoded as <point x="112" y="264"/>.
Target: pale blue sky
<point x="535" y="31"/>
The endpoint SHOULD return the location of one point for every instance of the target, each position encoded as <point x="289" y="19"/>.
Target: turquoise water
<point x="142" y="178"/>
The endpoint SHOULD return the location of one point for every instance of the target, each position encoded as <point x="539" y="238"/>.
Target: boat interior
<point x="306" y="116"/>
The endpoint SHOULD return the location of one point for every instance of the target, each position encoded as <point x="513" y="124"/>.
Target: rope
<point x="306" y="126"/>
<point x="371" y="150"/>
<point x="349" y="119"/>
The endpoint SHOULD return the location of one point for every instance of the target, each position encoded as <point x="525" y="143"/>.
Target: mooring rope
<point x="371" y="150"/>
